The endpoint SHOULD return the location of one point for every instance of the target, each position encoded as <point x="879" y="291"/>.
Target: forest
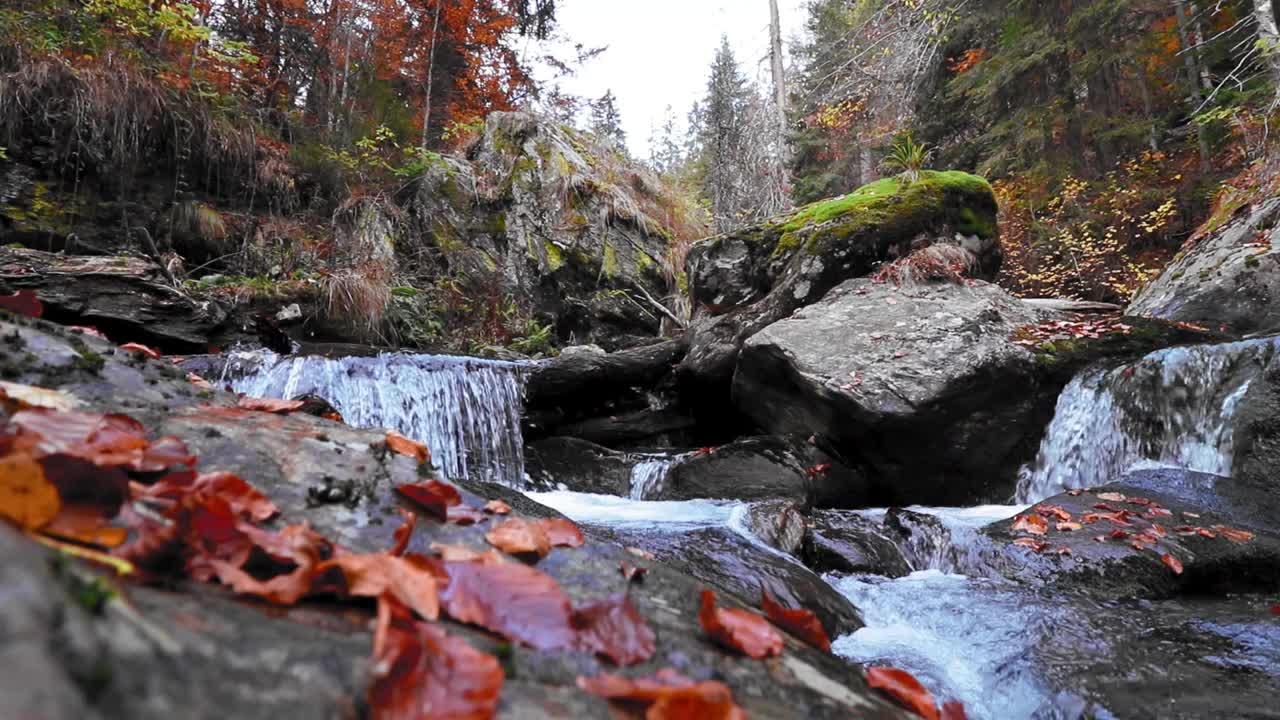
<point x="363" y="359"/>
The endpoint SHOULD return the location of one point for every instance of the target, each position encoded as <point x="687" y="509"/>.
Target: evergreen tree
<point x="666" y="149"/>
<point x="606" y="121"/>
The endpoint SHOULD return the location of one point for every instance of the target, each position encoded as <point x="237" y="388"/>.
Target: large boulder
<point x="1229" y="278"/>
<point x="552" y="215"/>
<point x="197" y="650"/>
<point x="743" y="281"/>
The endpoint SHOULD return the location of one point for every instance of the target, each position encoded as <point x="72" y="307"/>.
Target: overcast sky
<point x="660" y="51"/>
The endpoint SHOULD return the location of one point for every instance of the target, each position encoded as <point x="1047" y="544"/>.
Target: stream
<point x="963" y="631"/>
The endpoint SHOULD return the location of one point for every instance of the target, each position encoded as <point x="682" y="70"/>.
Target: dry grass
<point x="942" y="262"/>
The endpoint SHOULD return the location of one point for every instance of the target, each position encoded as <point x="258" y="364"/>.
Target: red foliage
<point x="521" y="537"/>
<point x="433" y="496"/>
<point x="740" y="630"/>
<point x="613" y="628"/>
<point x="1174" y="563"/>
<point x="404" y="533"/>
<point x="421" y="671"/>
<point x="802" y="623"/>
<point x="562" y="532"/>
<point x="668" y="695"/>
<point x="512" y="599"/>
<point x="143" y="349"/>
<point x="904" y="689"/>
<point x="23" y="302"/>
<point x="244" y="499"/>
<point x="404" y="446"/>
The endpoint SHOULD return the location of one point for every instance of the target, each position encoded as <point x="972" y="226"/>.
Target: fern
<point x="908" y="156"/>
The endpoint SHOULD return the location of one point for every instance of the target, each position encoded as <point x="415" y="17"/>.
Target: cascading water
<point x="648" y="476"/>
<point x="1173" y="407"/>
<point x="466" y="410"/>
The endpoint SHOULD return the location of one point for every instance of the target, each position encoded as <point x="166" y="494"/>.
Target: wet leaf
<point x="517" y="601"/>
<point x="404" y="446"/>
<point x="420" y="671"/>
<point x="404" y="533"/>
<point x="466" y="515"/>
<point x="199" y="382"/>
<point x="433" y="496"/>
<point x="105" y="441"/>
<point x="142" y="349"/>
<point x="1112" y="496"/>
<point x="1157" y="512"/>
<point x="801" y="622"/>
<point x="1069" y="526"/>
<point x="270" y="405"/>
<point x="85" y="525"/>
<point x="22" y="397"/>
<point x="497" y="507"/>
<point x="1032" y="543"/>
<point x="23" y="302"/>
<point x="1076" y="492"/>
<point x="614" y="629"/>
<point x="632" y="573"/>
<point x="520" y="537"/>
<point x="85" y="330"/>
<point x="460" y="553"/>
<point x="411" y="580"/>
<point x="1054" y="511"/>
<point x="1233" y="534"/>
<point x="1032" y="524"/>
<point x="27" y="498"/>
<point x="1174" y="563"/>
<point x="954" y="710"/>
<point x="738" y="629"/>
<point x="904" y="689"/>
<point x="246" y="500"/>
<point x="562" y="532"/>
<point x="669" y="696"/>
<point x="1118" y="535"/>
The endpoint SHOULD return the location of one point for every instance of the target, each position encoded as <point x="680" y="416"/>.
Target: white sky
<point x="660" y="51"/>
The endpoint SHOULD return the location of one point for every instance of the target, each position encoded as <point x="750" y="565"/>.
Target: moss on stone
<point x="555" y="258"/>
<point x="611" y="267"/>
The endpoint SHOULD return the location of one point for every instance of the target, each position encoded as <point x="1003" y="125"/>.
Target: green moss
<point x="555" y="258"/>
<point x="611" y="266"/>
<point x="487" y="260"/>
<point x="788" y="242"/>
<point x="1251" y="261"/>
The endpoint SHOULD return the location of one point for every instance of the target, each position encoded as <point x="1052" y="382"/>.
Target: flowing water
<point x="466" y="410"/>
<point x="648" y="476"/>
<point x="1172" y="408"/>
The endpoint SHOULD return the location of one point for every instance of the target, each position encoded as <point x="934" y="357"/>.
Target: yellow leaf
<point x="27" y="498"/>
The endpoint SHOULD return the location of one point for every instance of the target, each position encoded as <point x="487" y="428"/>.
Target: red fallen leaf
<point x="433" y="496"/>
<point x="1051" y="511"/>
<point x="269" y="405"/>
<point x="1105" y="506"/>
<point x="1275" y="609"/>
<point x="1069" y="526"/>
<point x="497" y="507"/>
<point x="465" y="515"/>
<point x="1118" y="518"/>
<point x="139" y="348"/>
<point x="404" y="533"/>
<point x="410" y="579"/>
<point x="669" y="695"/>
<point x="460" y="553"/>
<point x="904" y="689"/>
<point x="1233" y="534"/>
<point x="1032" y="543"/>
<point x="640" y="553"/>
<point x="1157" y="530"/>
<point x="1138" y="544"/>
<point x="1118" y="534"/>
<point x="703" y="451"/>
<point x="818" y="470"/>
<point x="199" y="382"/>
<point x="1174" y="563"/>
<point x="419" y="670"/>
<point x="86" y="330"/>
<point x="85" y="525"/>
<point x="1156" y="512"/>
<point x="106" y="441"/>
<point x="23" y="302"/>
<point x="613" y="628"/>
<point x="28" y="498"/>
<point x="1112" y="496"/>
<point x="738" y="629"/>
<point x="246" y="500"/>
<point x="518" y="536"/>
<point x="1074" y="492"/>
<point x="1091" y="518"/>
<point x="512" y="599"/>
<point x="562" y="532"/>
<point x="801" y="622"/>
<point x="404" y="446"/>
<point x="1033" y="524"/>
<point x="632" y="573"/>
<point x="1190" y="515"/>
<point x="954" y="710"/>
<point x="1142" y="501"/>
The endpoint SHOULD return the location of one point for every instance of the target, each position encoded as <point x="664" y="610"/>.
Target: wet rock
<point x="577" y="465"/>
<point x="1102" y="559"/>
<point x="750" y="469"/>
<point x="847" y="542"/>
<point x="780" y="524"/>
<point x="225" y="656"/>
<point x="922" y="539"/>
<point x="125" y="297"/>
<point x="1230" y="277"/>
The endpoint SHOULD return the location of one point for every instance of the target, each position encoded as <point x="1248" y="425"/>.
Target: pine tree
<point x="666" y="150"/>
<point x="606" y="121"/>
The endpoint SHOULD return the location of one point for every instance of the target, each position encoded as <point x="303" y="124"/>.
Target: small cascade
<point x="466" y="410"/>
<point x="648" y="476"/>
<point x="1173" y="407"/>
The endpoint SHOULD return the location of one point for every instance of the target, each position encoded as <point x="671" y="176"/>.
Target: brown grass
<point x="942" y="262"/>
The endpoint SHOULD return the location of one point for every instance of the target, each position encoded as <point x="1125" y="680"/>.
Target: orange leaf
<point x="905" y="689"/>
<point x="615" y="629"/>
<point x="1174" y="563"/>
<point x="135" y="347"/>
<point x="520" y="537"/>
<point x="410" y="580"/>
<point x="199" y="382"/>
<point x="246" y="500"/>
<point x="669" y="695"/>
<point x="433" y="496"/>
<point x="404" y="446"/>
<point x="1233" y="534"/>
<point x="802" y="623"/>
<point x="562" y="532"/>
<point x="90" y="331"/>
<point x="466" y="515"/>
<point x="27" y="498"/>
<point x="422" y="671"/>
<point x="737" y="629"/>
<point x="497" y="507"/>
<point x="23" y="302"/>
<point x="1033" y="524"/>
<point x="512" y="599"/>
<point x="269" y="405"/>
<point x="404" y="533"/>
<point x="85" y="525"/>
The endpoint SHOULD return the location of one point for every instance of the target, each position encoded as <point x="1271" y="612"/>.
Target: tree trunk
<point x="779" y="77"/>
<point x="431" y="67"/>
<point x="1269" y="38"/>
<point x="1194" y="77"/>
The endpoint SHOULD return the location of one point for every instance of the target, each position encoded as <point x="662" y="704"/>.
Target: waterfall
<point x="648" y="476"/>
<point x="466" y="410"/>
<point x="1174" y="407"/>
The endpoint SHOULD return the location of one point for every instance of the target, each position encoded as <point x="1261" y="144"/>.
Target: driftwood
<point x="125" y="297"/>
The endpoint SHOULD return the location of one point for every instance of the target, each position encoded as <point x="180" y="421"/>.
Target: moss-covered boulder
<point x="556" y="218"/>
<point x="845" y="237"/>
